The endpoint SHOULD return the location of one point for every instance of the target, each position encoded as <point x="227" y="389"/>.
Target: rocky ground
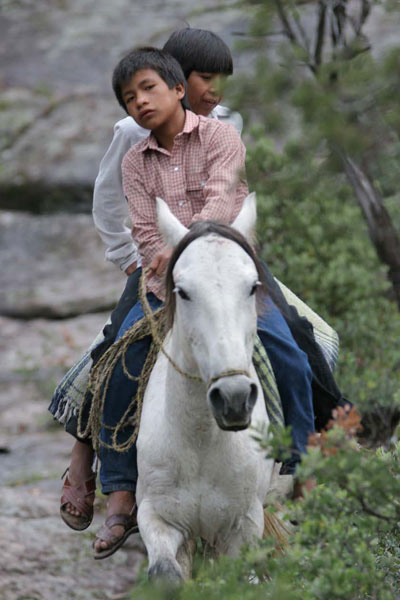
<point x="47" y="275"/>
<point x="41" y="559"/>
<point x="52" y="269"/>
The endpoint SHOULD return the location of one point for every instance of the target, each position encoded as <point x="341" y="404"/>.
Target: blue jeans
<point x="118" y="471"/>
<point x="293" y="375"/>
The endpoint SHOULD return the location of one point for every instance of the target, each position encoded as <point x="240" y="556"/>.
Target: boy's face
<point x="204" y="91"/>
<point x="149" y="100"/>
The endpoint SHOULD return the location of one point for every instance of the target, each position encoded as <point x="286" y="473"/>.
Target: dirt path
<point x="40" y="558"/>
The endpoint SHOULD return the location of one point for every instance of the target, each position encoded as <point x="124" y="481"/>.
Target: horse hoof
<point x="167" y="571"/>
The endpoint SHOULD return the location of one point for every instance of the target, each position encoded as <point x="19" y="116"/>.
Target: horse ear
<point x="171" y="228"/>
<point x="246" y="219"/>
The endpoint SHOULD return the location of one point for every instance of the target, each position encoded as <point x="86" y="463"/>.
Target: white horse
<point x="200" y="472"/>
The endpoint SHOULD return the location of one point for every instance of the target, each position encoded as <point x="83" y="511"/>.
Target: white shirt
<point x="110" y="208"/>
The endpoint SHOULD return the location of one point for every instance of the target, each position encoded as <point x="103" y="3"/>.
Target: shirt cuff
<point x="134" y="257"/>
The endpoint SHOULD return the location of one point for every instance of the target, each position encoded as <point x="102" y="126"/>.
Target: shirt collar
<point x="191" y="122"/>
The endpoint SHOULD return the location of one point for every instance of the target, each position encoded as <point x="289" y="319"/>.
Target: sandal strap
<point x="126" y="521"/>
<point x="105" y="535"/>
<point x="89" y="486"/>
<point x="77" y="495"/>
<point x="123" y="520"/>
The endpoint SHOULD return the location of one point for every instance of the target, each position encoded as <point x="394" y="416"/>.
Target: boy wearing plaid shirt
<point x="205" y="60"/>
<point x="196" y="165"/>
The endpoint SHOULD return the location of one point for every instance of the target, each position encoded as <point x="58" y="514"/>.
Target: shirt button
<point x="176" y="169"/>
<point x="180" y="203"/>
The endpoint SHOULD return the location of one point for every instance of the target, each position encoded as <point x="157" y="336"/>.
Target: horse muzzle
<point x="232" y="400"/>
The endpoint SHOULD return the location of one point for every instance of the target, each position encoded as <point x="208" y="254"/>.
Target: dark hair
<point x="197" y="230"/>
<point x="147" y="57"/>
<point x="200" y="50"/>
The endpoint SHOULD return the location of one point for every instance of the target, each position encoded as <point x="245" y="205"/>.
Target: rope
<point x="99" y="382"/>
<point x="154" y="325"/>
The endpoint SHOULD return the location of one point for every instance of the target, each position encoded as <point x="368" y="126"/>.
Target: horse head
<point x="212" y="284"/>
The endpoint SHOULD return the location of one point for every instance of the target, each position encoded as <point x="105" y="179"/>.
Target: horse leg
<point x="250" y="529"/>
<point x="185" y="556"/>
<point x="162" y="542"/>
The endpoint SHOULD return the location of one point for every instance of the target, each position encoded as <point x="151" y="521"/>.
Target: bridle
<point x="148" y="313"/>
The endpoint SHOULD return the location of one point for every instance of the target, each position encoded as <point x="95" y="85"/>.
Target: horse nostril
<point x="252" y="396"/>
<point x="217" y="400"/>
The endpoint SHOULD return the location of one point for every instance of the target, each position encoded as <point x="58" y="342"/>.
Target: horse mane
<point x="201" y="229"/>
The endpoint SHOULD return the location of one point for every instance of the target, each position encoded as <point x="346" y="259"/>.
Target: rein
<point x="148" y="313"/>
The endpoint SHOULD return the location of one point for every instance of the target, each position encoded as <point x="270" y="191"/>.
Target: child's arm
<point x="142" y="208"/>
<point x="226" y="186"/>
<point x="109" y="205"/>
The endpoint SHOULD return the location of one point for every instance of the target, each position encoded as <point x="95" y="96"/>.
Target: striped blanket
<point x="70" y="392"/>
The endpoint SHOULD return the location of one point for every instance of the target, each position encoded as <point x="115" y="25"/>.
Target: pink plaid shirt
<point x="202" y="178"/>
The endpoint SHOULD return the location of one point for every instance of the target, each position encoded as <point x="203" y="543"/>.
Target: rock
<point x="57" y="107"/>
<point x="43" y="559"/>
<point x="53" y="267"/>
<point x="32" y="350"/>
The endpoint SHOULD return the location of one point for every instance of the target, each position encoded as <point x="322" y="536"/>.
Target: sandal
<point x="128" y="522"/>
<point x="78" y="497"/>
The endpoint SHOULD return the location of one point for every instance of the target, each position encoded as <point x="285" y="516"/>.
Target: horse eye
<point x="182" y="293"/>
<point x="254" y="288"/>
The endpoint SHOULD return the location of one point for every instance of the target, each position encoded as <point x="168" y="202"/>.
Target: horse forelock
<point x="196" y="231"/>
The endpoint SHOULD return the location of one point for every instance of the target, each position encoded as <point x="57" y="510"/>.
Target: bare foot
<point x="80" y="470"/>
<point x="120" y="502"/>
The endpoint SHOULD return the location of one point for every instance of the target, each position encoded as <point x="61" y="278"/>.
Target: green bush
<point x="314" y="239"/>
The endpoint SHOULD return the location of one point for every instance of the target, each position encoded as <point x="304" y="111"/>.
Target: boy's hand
<point x="160" y="262"/>
<point x="132" y="267"/>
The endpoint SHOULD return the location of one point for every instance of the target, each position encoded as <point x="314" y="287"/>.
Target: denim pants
<point x="293" y="375"/>
<point x="128" y="299"/>
<point x="118" y="471"/>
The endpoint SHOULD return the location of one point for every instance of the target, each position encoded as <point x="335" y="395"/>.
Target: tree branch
<point x="365" y="10"/>
<point x="337" y="32"/>
<point x="367" y="509"/>
<point x="320" y="34"/>
<point x="301" y="30"/>
<point x="291" y="34"/>
<point x="381" y="230"/>
<point x="285" y="22"/>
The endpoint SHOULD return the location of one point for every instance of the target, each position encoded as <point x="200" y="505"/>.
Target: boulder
<point x="57" y="107"/>
<point x="53" y="266"/>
